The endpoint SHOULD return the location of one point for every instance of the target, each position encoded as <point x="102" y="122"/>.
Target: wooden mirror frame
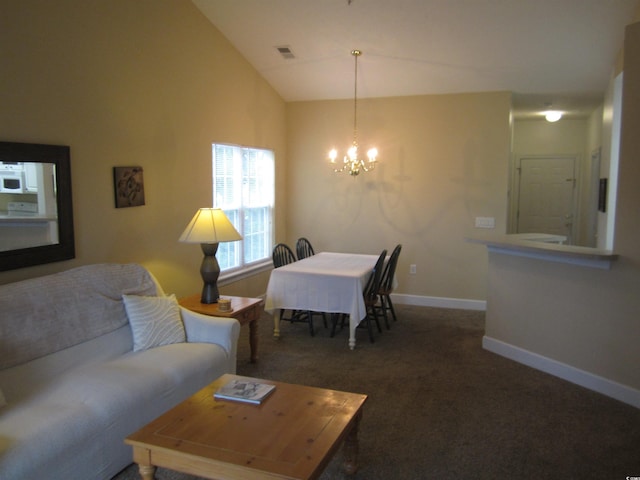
<point x="65" y="248"/>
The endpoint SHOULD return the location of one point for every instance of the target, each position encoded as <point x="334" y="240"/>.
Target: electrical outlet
<point x="412" y="269"/>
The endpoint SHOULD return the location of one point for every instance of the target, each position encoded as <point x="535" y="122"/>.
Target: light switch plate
<point x="485" y="222"/>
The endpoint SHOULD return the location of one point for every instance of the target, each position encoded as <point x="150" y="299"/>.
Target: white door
<point x="546" y="195"/>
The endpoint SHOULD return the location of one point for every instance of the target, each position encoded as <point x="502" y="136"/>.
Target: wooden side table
<point x="244" y="309"/>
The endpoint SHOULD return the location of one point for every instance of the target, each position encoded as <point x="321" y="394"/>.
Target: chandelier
<point x="351" y="163"/>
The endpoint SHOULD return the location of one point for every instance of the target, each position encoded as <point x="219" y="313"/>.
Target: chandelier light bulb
<point x="353" y="153"/>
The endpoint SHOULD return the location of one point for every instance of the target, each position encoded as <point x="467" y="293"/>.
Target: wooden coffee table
<point x="244" y="309"/>
<point x="292" y="434"/>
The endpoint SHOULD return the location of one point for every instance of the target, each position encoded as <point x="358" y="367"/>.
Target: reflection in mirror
<point x="36" y="221"/>
<point x="28" y="208"/>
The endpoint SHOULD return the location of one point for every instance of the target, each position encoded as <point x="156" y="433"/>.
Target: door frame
<point x="514" y="189"/>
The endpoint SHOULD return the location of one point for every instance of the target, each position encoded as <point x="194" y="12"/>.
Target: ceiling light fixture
<point x="350" y="162"/>
<point x="552" y="115"/>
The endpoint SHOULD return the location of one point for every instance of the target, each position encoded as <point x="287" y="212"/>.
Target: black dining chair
<point x="304" y="248"/>
<point x="283" y="255"/>
<point x="386" y="286"/>
<point x="370" y="295"/>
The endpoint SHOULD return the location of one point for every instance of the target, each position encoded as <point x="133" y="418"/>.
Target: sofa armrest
<point x="201" y="328"/>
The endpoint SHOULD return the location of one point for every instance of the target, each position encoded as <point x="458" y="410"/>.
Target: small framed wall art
<point x="128" y="185"/>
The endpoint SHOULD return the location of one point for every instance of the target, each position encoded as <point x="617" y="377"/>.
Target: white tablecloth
<point x="326" y="282"/>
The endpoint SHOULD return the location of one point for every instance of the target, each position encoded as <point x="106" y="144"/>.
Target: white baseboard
<point x="440" y="302"/>
<point x="583" y="378"/>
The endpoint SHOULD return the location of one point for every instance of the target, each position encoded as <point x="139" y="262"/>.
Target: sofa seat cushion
<point x="95" y="407"/>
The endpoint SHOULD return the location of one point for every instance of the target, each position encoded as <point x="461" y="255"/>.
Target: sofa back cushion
<point x="47" y="314"/>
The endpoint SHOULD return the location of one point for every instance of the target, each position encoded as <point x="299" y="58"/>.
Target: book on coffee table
<point x="244" y="391"/>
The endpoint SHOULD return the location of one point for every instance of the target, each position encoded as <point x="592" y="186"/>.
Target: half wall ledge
<point x="552" y="252"/>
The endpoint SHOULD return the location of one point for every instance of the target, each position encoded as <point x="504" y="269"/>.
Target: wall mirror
<point x="36" y="214"/>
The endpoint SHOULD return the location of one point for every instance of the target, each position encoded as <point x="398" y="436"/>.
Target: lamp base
<point x="210" y="270"/>
<point x="210" y="294"/>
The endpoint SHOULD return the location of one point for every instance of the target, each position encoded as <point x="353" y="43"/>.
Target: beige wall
<point x="443" y="162"/>
<point x="145" y="82"/>
<point x="583" y="318"/>
<point x="539" y="137"/>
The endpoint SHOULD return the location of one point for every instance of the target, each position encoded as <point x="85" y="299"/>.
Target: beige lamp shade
<point x="210" y="225"/>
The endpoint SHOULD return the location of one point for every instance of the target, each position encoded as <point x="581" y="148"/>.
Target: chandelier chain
<point x="356" y="54"/>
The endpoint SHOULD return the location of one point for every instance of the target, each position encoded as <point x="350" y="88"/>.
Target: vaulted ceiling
<point x="544" y="51"/>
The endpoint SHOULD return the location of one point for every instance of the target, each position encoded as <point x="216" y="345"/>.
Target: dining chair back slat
<point x="371" y="295"/>
<point x="373" y="284"/>
<point x="282" y="255"/>
<point x="304" y="248"/>
<point x="386" y="285"/>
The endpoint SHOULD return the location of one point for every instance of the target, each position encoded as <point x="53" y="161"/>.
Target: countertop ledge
<point x="26" y="218"/>
<point x="572" y="254"/>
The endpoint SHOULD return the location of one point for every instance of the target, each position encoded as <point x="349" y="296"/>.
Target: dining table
<point x="328" y="282"/>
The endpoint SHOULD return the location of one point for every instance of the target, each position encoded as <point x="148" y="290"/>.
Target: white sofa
<point x="72" y="384"/>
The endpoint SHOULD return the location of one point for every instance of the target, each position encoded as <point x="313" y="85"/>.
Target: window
<point x="243" y="186"/>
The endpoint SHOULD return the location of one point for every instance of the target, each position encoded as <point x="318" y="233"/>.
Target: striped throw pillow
<point x="155" y="321"/>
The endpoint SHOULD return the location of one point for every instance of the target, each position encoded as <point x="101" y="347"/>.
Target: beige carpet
<point x="441" y="407"/>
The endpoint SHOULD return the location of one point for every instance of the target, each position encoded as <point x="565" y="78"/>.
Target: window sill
<point x="231" y="277"/>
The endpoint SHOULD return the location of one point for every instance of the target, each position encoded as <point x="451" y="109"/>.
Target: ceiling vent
<point x="286" y="53"/>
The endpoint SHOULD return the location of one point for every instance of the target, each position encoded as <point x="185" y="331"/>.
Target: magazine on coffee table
<point x="244" y="391"/>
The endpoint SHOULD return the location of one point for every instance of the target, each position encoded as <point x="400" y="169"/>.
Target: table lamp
<point x="208" y="227"/>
